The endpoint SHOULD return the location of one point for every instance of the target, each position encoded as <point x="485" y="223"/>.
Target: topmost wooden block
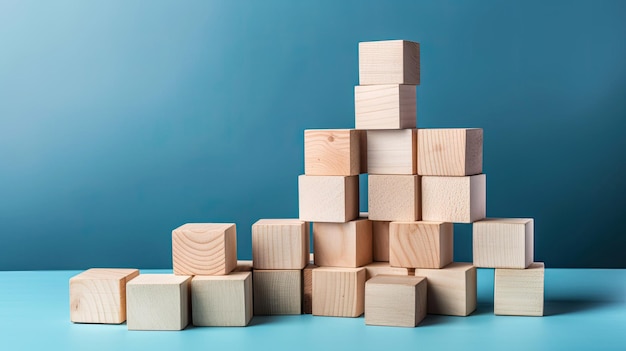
<point x="204" y="248"/>
<point x="450" y="152"/>
<point x="389" y="62"/>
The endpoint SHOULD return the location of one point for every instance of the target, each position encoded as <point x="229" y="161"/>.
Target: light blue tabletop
<point x="585" y="310"/>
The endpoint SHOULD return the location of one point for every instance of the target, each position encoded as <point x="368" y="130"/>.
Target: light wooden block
<point x="204" y="248"/>
<point x="343" y="244"/>
<point x="385" y="107"/>
<point x="363" y="150"/>
<point x="277" y="292"/>
<point x="98" y="295"/>
<point x="328" y="198"/>
<point x="338" y="292"/>
<point x="280" y="244"/>
<point x="398" y="301"/>
<point x="503" y="242"/>
<point x="380" y="241"/>
<point x="332" y="152"/>
<point x="450" y="152"/>
<point x="392" y="151"/>
<point x="451" y="290"/>
<point x="222" y="301"/>
<point x="394" y="197"/>
<point x="307" y="289"/>
<point x="454" y="199"/>
<point x="243" y="266"/>
<point x="158" y="302"/>
<point x="519" y="292"/>
<point x="421" y="244"/>
<point x="375" y="268"/>
<point x="389" y="62"/>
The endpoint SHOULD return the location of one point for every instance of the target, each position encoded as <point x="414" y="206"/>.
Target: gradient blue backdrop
<point x="121" y="120"/>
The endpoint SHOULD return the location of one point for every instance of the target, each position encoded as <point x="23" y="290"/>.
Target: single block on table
<point x="343" y="244"/>
<point x="451" y="290"/>
<point x="204" y="248"/>
<point x="519" y="292"/>
<point x="222" y="301"/>
<point x="390" y="106"/>
<point x="375" y="268"/>
<point x="280" y="244"/>
<point x="450" y="152"/>
<point x="454" y="199"/>
<point x="332" y="152"/>
<point x="277" y="291"/>
<point x="420" y="244"/>
<point x="392" y="151"/>
<point x="503" y="242"/>
<point x="380" y="241"/>
<point x="389" y="62"/>
<point x="307" y="289"/>
<point x="338" y="292"/>
<point x="393" y="300"/>
<point x="394" y="197"/>
<point x="328" y="198"/>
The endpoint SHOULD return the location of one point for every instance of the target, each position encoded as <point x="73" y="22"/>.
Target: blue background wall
<point x="121" y="120"/>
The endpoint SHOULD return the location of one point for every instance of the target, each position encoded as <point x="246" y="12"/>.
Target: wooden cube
<point x="280" y="244"/>
<point x="385" y="107"/>
<point x="451" y="290"/>
<point x="389" y="62"/>
<point x="98" y="295"/>
<point x="343" y="244"/>
<point x="332" y="152"/>
<point x="450" y="152"/>
<point x="338" y="292"/>
<point x="328" y="198"/>
<point x="204" y="248"/>
<point x="519" y="292"/>
<point x="277" y="292"/>
<point x="394" y="197"/>
<point x="158" y="302"/>
<point x="503" y="242"/>
<point x="375" y="268"/>
<point x="307" y="289"/>
<point x="420" y="244"/>
<point x="222" y="301"/>
<point x="398" y="301"/>
<point x="454" y="199"/>
<point x="392" y="151"/>
<point x="380" y="241"/>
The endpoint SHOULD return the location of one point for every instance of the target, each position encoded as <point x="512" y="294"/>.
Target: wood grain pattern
<point x="280" y="244"/>
<point x="98" y="295"/>
<point x="450" y="152"/>
<point x="204" y="248"/>
<point x="328" y="198"/>
<point x="451" y="290"/>
<point x="398" y="301"/>
<point x="332" y="152"/>
<point x="503" y="242"/>
<point x="519" y="292"/>
<point x="307" y="289"/>
<point x="222" y="301"/>
<point x="338" y="292"/>
<point x="392" y="151"/>
<point x="380" y="241"/>
<point x="375" y="268"/>
<point x="385" y="107"/>
<point x="343" y="244"/>
<point x="454" y="199"/>
<point x="389" y="62"/>
<point x="420" y="244"/>
<point x="277" y="292"/>
<point x="394" y="197"/>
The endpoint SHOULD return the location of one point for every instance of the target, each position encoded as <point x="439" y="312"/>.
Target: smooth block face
<point x="392" y="151"/>
<point x="451" y="290"/>
<point x="385" y="107"/>
<point x="204" y="248"/>
<point x="98" y="295"/>
<point x="450" y="152"/>
<point x="332" y="152"/>
<point x="420" y="244"/>
<point x="158" y="302"/>
<point x="380" y="241"/>
<point x="280" y="244"/>
<point x="454" y="199"/>
<point x="519" y="292"/>
<point x="277" y="292"/>
<point x="398" y="301"/>
<point x="389" y="62"/>
<point x="222" y="301"/>
<point x="343" y="244"/>
<point x="503" y="242"/>
<point x="338" y="292"/>
<point x="394" y="197"/>
<point x="376" y="268"/>
<point x="328" y="198"/>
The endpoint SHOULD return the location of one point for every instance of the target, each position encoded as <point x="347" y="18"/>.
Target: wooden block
<point x="328" y="198"/>
<point x="98" y="295"/>
<point x="204" y="248"/>
<point x="503" y="242"/>
<point x="392" y="151"/>
<point x="519" y="292"/>
<point x="385" y="107"/>
<point x="307" y="289"/>
<point x="280" y="244"/>
<point x="277" y="292"/>
<point x="454" y="199"/>
<point x="389" y="62"/>
<point x="363" y="150"/>
<point x="332" y="152"/>
<point x="393" y="300"/>
<point x="451" y="290"/>
<point x="158" y="302"/>
<point x="338" y="292"/>
<point x="222" y="301"/>
<point x="375" y="268"/>
<point x="450" y="152"/>
<point x="420" y="244"/>
<point x="243" y="266"/>
<point x="394" y="197"/>
<point x="380" y="241"/>
<point x="343" y="244"/>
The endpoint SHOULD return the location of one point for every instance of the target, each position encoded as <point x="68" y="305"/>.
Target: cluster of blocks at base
<point x="393" y="263"/>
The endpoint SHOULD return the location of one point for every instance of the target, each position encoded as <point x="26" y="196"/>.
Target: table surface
<point x="585" y="309"/>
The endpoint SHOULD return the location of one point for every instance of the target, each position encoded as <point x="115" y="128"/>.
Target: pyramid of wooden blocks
<point x="451" y="290"/>
<point x="338" y="292"/>
<point x="394" y="197"/>
<point x="390" y="106"/>
<point x="420" y="244"/>
<point x="98" y="295"/>
<point x="519" y="292"/>
<point x="392" y="300"/>
<point x="280" y="244"/>
<point x="503" y="242"/>
<point x="389" y="62"/>
<point x="454" y="199"/>
<point x="450" y="152"/>
<point x="328" y="198"/>
<point x="375" y="268"/>
<point x="277" y="292"/>
<point x="204" y="248"/>
<point x="392" y="151"/>
<point x="222" y="301"/>
<point x="158" y="302"/>
<point x="380" y="241"/>
<point x="332" y="152"/>
<point x="343" y="244"/>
